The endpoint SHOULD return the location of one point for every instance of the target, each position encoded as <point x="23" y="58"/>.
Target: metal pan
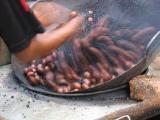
<point x="122" y="80"/>
<point x="110" y="86"/>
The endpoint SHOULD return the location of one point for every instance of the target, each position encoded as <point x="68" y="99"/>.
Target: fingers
<point x="67" y="30"/>
<point x="55" y="25"/>
<point x="43" y="43"/>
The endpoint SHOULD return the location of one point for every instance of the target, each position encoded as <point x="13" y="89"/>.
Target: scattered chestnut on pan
<point x="99" y="56"/>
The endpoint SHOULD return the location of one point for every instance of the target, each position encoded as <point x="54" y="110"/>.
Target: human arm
<point x="25" y="37"/>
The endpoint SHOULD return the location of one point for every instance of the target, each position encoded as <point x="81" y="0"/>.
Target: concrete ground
<point x="17" y="103"/>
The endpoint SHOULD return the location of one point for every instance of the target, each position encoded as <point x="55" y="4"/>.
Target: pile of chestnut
<point x="83" y="63"/>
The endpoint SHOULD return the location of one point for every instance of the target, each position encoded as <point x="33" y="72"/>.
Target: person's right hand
<point x="45" y="42"/>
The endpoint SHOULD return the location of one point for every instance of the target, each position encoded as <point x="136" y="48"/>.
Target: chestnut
<point x="40" y="68"/>
<point x="119" y="71"/>
<point x="33" y="66"/>
<point x="76" y="85"/>
<point x="75" y="90"/>
<point x="85" y="86"/>
<point x="87" y="82"/>
<point x="52" y="65"/>
<point x="30" y="74"/>
<point x="60" y="90"/>
<point x="36" y="74"/>
<point x="33" y="80"/>
<point x="90" y="19"/>
<point x="34" y="70"/>
<point x="66" y="89"/>
<point x="46" y="68"/>
<point x="87" y="74"/>
<point x="44" y="61"/>
<point x="37" y="78"/>
<point x="49" y="76"/>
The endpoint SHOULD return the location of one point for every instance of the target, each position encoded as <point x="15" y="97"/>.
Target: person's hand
<point x="44" y="43"/>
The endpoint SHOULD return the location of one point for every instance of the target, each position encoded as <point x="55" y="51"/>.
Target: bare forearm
<point x="42" y="44"/>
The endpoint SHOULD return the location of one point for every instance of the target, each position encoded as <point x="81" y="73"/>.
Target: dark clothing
<point x="17" y="24"/>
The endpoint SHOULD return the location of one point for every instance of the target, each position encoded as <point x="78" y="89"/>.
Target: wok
<point x="143" y="12"/>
